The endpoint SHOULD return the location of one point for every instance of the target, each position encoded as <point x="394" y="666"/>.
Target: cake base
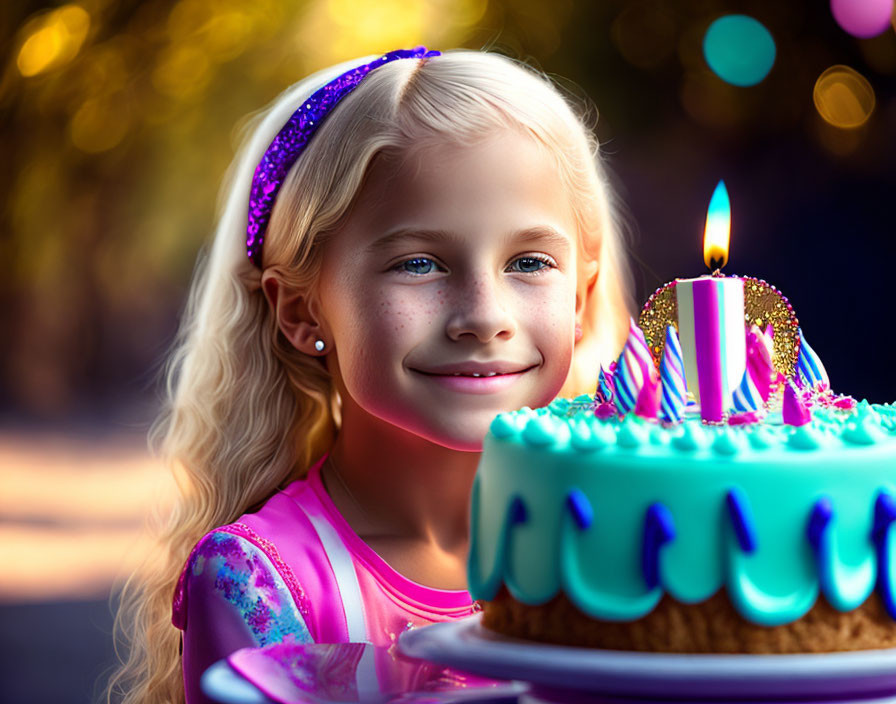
<point x="712" y="626"/>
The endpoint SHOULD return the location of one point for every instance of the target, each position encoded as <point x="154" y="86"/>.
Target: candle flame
<point x="718" y="229"/>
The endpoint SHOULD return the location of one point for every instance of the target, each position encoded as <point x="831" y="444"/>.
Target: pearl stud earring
<point x="319" y="345"/>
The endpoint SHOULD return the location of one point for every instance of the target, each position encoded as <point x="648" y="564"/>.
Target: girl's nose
<point x="479" y="309"/>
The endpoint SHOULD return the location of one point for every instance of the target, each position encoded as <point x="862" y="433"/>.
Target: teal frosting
<point x="620" y="468"/>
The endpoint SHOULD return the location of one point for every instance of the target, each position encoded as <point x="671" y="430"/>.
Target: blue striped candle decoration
<point x="635" y="363"/>
<point x="604" y="387"/>
<point x="746" y="397"/>
<point x="809" y="367"/>
<point x="675" y="393"/>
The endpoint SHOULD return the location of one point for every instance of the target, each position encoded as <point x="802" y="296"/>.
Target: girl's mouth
<point x="476" y="382"/>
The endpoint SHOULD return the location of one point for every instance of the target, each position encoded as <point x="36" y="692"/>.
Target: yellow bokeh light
<point x="53" y="39"/>
<point x="384" y="23"/>
<point x="336" y="30"/>
<point x="843" y="97"/>
<point x="99" y="125"/>
<point x="181" y="72"/>
<point x="227" y="34"/>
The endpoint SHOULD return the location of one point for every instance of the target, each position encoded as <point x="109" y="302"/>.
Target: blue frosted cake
<point x="595" y="523"/>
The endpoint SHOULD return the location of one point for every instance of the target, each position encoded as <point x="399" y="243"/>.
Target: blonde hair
<point x="246" y="413"/>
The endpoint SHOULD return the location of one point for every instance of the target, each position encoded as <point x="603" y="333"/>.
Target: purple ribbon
<point x="295" y="135"/>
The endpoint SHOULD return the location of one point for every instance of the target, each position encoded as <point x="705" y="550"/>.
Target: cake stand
<point x="571" y="674"/>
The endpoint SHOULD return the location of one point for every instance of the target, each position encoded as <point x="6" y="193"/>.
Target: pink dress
<point x="295" y="572"/>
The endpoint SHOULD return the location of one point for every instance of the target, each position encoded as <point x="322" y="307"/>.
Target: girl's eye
<point x="418" y="266"/>
<point x="530" y="265"/>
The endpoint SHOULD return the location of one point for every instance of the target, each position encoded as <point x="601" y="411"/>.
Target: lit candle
<point x="711" y="319"/>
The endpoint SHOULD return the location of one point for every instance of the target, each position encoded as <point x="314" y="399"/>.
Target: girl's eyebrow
<point x="543" y="234"/>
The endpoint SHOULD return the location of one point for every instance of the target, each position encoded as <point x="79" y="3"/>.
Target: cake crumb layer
<point x="711" y="626"/>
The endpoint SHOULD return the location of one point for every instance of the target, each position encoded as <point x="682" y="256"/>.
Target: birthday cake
<point x="626" y="521"/>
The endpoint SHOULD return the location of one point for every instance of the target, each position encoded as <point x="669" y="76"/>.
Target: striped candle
<point x="713" y="340"/>
<point x="675" y="393"/>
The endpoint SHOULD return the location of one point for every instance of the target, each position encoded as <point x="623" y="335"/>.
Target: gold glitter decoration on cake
<point x="763" y="304"/>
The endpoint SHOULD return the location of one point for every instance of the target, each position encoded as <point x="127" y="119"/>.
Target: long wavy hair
<point x="244" y="412"/>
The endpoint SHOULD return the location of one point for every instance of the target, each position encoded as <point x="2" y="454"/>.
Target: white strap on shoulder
<point x="346" y="577"/>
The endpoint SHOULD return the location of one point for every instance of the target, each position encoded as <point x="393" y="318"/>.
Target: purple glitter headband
<point x="294" y="137"/>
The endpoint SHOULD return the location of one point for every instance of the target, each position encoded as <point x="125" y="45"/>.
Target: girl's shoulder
<point x="228" y="574"/>
<point x="276" y="548"/>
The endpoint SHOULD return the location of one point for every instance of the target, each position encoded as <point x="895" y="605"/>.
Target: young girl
<point x="409" y="244"/>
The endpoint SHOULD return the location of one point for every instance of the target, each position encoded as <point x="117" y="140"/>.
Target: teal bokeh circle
<point x="739" y="49"/>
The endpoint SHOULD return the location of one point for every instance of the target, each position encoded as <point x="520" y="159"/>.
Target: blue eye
<point x="529" y="265"/>
<point x="418" y="266"/>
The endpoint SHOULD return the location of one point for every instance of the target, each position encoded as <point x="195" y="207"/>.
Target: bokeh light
<point x="862" y="18"/>
<point x="709" y="102"/>
<point x="100" y="123"/>
<point x="843" y="97"/>
<point x="53" y="39"/>
<point x="880" y="52"/>
<point x="644" y="33"/>
<point x="739" y="49"/>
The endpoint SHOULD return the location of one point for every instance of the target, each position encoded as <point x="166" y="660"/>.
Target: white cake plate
<point x="466" y="645"/>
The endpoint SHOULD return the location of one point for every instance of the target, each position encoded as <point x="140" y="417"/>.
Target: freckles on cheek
<point x="410" y="311"/>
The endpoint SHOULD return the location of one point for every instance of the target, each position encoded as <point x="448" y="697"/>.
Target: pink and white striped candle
<point x="713" y="340"/>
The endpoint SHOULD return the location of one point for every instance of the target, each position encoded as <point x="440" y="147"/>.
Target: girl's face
<point x="450" y="293"/>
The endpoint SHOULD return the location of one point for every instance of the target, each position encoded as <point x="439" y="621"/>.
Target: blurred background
<point x="118" y="121"/>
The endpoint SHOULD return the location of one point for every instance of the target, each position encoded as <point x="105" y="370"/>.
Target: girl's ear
<point x="296" y="315"/>
<point x="585" y="291"/>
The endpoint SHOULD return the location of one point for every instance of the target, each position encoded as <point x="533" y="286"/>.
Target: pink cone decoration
<point x="648" y="405"/>
<point x="793" y="410"/>
<point x="760" y="366"/>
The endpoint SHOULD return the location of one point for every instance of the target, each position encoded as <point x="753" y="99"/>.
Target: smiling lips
<point x="476" y="377"/>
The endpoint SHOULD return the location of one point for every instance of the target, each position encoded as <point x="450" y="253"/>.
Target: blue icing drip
<point x="845" y="588"/>
<point x="659" y="529"/>
<point x="884" y="514"/>
<point x="886" y="570"/>
<point x="581" y="508"/>
<point x="518" y="513"/>
<point x="885" y="544"/>
<point x="821" y="515"/>
<point x="741" y="520"/>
